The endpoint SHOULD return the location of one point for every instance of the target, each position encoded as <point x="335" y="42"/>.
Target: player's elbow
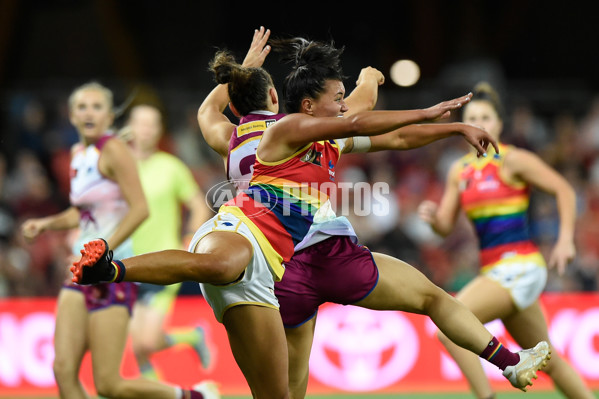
<point x="569" y="190"/>
<point x="143" y="211"/>
<point x="357" y="125"/>
<point x="390" y="141"/>
<point x="441" y="230"/>
<point x="398" y="142"/>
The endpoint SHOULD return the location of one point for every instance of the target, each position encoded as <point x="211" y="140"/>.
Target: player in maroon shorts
<point x="106" y="199"/>
<point x="288" y="142"/>
<point x="319" y="272"/>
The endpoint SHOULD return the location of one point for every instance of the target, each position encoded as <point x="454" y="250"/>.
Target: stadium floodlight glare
<point x="405" y="73"/>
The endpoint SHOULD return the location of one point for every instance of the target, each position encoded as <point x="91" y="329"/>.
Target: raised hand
<point x="479" y="139"/>
<point x="31" y="228"/>
<point x="562" y="254"/>
<point x="427" y="211"/>
<point x="443" y="110"/>
<point x="258" y="49"/>
<point x="370" y="73"/>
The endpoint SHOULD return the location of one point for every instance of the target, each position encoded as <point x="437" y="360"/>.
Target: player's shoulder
<point x="513" y="154"/>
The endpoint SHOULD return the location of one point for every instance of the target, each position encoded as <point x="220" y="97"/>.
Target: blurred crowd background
<point x="158" y="52"/>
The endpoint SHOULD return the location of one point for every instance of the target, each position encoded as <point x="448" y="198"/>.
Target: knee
<point x="108" y="382"/>
<point x="225" y="269"/>
<point x="65" y="371"/>
<point x="106" y="391"/>
<point x="297" y="386"/>
<point x="221" y="258"/>
<point x="144" y="346"/>
<point x="298" y="381"/>
<point x="442" y="338"/>
<point x="107" y="387"/>
<point x="273" y="388"/>
<point x="434" y="298"/>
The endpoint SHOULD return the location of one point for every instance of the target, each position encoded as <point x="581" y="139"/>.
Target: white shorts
<point x="255" y="287"/>
<point x="524" y="280"/>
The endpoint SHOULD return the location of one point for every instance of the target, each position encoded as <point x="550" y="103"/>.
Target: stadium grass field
<point x="437" y="395"/>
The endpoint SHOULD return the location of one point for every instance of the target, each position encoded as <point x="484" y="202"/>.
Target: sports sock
<point x="499" y="355"/>
<point x="119" y="271"/>
<point x="188" y="394"/>
<point x="149" y="372"/>
<point x="188" y="337"/>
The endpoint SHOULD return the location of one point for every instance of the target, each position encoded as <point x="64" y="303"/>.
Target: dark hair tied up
<point x="313" y="63"/>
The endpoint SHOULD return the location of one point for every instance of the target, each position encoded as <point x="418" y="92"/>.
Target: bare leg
<point x="147" y="337"/>
<point x="108" y="335"/>
<point x="488" y="301"/>
<point x="213" y="262"/>
<point x="70" y="343"/>
<point x="257" y="340"/>
<point x="402" y="287"/>
<point x="299" y="341"/>
<point x="529" y="325"/>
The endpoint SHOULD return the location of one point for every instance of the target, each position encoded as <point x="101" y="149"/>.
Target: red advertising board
<point x="354" y="349"/>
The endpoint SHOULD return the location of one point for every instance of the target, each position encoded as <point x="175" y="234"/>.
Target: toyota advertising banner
<point x="355" y="350"/>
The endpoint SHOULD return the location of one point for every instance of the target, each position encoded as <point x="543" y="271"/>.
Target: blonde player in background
<point x="240" y="252"/>
<point x="107" y="200"/>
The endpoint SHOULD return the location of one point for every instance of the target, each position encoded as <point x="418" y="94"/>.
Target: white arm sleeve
<point x="361" y="144"/>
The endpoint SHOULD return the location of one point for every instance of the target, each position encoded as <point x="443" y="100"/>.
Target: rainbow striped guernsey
<point x="286" y="197"/>
<point x="498" y="210"/>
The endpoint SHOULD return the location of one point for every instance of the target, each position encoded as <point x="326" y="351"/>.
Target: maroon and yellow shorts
<point x="101" y="296"/>
<point x="335" y="270"/>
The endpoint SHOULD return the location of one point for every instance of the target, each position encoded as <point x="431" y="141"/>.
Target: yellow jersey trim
<point x="251" y="127"/>
<point x="275" y="261"/>
<point x="244" y="142"/>
<point x="535" y="258"/>
<point x="274" y="163"/>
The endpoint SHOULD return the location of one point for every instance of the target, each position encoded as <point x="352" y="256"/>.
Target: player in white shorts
<point x="494" y="192"/>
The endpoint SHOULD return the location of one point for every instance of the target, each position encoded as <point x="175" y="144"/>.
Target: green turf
<point x="501" y="395"/>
